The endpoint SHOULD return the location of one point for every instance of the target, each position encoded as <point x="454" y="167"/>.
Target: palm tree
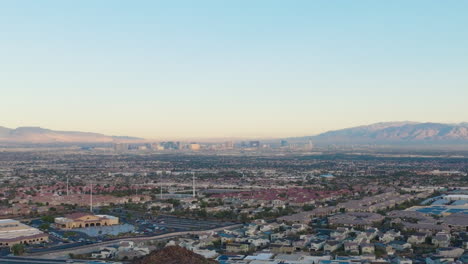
<point x="18" y="249"/>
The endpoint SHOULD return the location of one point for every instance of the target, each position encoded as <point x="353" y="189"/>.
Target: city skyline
<point x="231" y="70"/>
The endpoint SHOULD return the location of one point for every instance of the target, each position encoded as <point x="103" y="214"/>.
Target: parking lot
<point x="440" y="209"/>
<point x="137" y="226"/>
<point x="31" y="260"/>
<point x="166" y="224"/>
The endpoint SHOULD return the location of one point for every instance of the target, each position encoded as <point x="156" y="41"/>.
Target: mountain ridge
<point x="396" y="132"/>
<point x="399" y="132"/>
<point x="32" y="134"/>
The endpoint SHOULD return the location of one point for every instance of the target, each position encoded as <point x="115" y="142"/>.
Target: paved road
<point x="93" y="247"/>
<point x="57" y="247"/>
<point x="31" y="260"/>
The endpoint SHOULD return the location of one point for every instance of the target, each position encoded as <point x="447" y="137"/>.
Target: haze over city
<point x="210" y="69"/>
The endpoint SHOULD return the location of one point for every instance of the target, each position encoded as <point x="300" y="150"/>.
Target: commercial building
<point x="13" y="232"/>
<point x="194" y="146"/>
<point x="81" y="220"/>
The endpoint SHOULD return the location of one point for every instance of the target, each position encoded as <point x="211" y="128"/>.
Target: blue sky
<point x="182" y="69"/>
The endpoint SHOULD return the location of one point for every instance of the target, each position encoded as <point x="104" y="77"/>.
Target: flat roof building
<point x="14" y="232"/>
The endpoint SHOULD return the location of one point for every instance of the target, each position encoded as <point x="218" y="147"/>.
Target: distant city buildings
<point x="121" y="147"/>
<point x="253" y="145"/>
<point x="194" y="146"/>
<point x="229" y="145"/>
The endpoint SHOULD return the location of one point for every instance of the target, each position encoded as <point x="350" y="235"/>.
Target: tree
<point x="308" y="207"/>
<point x="44" y="226"/>
<point x="18" y="249"/>
<point x="244" y="218"/>
<point x="48" y="218"/>
<point x="202" y="213"/>
<point x="174" y="202"/>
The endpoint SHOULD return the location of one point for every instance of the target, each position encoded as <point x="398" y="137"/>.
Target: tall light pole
<point x="193" y="179"/>
<point x="160" y="187"/>
<point x="91" y="197"/>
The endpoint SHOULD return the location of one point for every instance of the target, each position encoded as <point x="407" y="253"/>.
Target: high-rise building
<point x="121" y="146"/>
<point x="171" y="145"/>
<point x="194" y="146"/>
<point x="254" y="144"/>
<point x="309" y="145"/>
<point x="229" y="144"/>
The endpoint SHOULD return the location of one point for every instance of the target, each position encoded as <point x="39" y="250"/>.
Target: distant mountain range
<point x="379" y="133"/>
<point x="395" y="133"/>
<point x="37" y="135"/>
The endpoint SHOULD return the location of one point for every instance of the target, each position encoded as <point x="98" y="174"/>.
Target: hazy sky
<point x="172" y="69"/>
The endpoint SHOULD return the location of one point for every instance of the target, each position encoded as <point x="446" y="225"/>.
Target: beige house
<point x="237" y="247"/>
<point x="82" y="220"/>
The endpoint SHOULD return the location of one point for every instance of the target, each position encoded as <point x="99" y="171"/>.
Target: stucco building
<point x="82" y="220"/>
<point x="14" y="232"/>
